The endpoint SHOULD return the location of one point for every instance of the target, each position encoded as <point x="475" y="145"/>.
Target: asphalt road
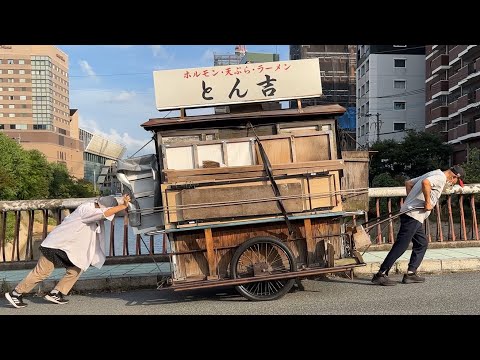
<point x="457" y="293"/>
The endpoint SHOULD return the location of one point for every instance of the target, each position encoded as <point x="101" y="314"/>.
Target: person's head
<point x="107" y="202"/>
<point x="455" y="175"/>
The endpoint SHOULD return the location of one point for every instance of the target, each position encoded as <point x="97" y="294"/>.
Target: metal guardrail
<point x="454" y="218"/>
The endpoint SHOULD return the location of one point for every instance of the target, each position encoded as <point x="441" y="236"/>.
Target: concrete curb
<point x="111" y="283"/>
<point x="427" y="267"/>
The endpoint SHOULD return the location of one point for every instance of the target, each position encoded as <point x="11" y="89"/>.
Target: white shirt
<point x="82" y="236"/>
<point x="416" y="198"/>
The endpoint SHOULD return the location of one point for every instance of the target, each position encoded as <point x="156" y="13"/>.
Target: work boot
<point x="382" y="279"/>
<point x="412" y="278"/>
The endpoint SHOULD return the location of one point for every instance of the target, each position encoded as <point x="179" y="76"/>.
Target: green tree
<point x="12" y="166"/>
<point x="472" y="166"/>
<point x="38" y="176"/>
<point x="418" y="153"/>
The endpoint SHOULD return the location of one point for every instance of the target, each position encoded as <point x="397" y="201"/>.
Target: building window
<point x="367" y="108"/>
<point x="10" y="80"/>
<point x="11" y="89"/>
<point x="400" y="63"/>
<point x="11" y="115"/>
<point x="10" y="71"/>
<point x="1" y="106"/>
<point x="367" y="66"/>
<point x="1" y="114"/>
<point x="399" y="84"/>
<point x="21" y="62"/>
<point x="21" y="71"/>
<point x="400" y="46"/>
<point x="399" y="105"/>
<point x="363" y="90"/>
<point x="23" y="97"/>
<point x="2" y="126"/>
<point x="398" y="126"/>
<point x="10" y="61"/>
<point x="363" y="130"/>
<point x="362" y="70"/>
<point x="367" y="87"/>
<point x="11" y="106"/>
<point x="22" y="80"/>
<point x="359" y="93"/>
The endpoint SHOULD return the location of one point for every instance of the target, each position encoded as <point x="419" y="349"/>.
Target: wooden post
<point x="299" y="104"/>
<point x="210" y="254"/>
<point x="310" y="241"/>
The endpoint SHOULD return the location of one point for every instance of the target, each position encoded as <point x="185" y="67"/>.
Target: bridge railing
<point x="24" y="224"/>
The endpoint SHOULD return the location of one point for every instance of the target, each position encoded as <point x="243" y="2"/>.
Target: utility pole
<point x="378" y="124"/>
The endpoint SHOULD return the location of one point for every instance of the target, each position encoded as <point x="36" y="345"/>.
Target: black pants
<point x="410" y="230"/>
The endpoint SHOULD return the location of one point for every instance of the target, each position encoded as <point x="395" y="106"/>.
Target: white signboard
<point x="223" y="85"/>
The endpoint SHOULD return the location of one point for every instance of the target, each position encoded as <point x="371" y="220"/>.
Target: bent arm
<point x="408" y="186"/>
<point x="426" y="189"/>
<point x="116" y="209"/>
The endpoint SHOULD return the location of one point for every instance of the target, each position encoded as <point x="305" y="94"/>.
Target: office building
<point x="34" y="103"/>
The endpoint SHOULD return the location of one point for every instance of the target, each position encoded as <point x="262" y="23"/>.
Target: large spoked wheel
<point x="260" y="256"/>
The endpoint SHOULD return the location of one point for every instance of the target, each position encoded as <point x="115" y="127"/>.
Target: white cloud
<point x="122" y="96"/>
<point x="118" y="114"/>
<point x="87" y="68"/>
<point x="159" y="51"/>
<point x="124" y="138"/>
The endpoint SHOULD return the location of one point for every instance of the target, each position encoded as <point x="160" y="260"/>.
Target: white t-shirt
<point x="82" y="236"/>
<point x="416" y="198"/>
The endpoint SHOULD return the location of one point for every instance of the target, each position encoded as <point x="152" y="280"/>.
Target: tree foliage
<point x="28" y="175"/>
<point x="418" y="153"/>
<point x="472" y="166"/>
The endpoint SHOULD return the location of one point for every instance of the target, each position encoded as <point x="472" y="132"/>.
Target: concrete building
<point x="452" y="107"/>
<point x="390" y="92"/>
<point x="34" y="103"/>
<point x="337" y="71"/>
<point x="251" y="57"/>
<point x="100" y="156"/>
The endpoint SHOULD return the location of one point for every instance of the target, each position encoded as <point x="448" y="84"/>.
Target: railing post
<point x="463" y="227"/>
<point x="474" y="217"/>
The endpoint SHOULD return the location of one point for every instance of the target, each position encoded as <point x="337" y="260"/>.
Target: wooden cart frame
<point x="225" y="227"/>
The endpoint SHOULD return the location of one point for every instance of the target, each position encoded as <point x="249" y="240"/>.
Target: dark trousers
<point x="410" y="230"/>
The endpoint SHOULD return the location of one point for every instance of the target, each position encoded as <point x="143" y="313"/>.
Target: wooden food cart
<point x="251" y="199"/>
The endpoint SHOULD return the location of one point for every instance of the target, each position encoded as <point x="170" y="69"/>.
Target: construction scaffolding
<point x="337" y="68"/>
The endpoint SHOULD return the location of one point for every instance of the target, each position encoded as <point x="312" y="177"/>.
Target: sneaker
<point x="382" y="279"/>
<point x="412" y="278"/>
<point x="56" y="298"/>
<point x="15" y="300"/>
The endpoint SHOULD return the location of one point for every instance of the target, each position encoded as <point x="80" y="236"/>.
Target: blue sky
<point x="112" y="85"/>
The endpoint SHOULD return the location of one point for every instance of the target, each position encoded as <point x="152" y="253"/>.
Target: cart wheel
<point x="263" y="256"/>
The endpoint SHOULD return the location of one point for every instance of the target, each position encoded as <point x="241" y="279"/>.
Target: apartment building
<point x="34" y="103"/>
<point x="390" y="92"/>
<point x="452" y="97"/>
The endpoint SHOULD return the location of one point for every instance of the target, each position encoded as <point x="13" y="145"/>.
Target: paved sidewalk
<point x="435" y="261"/>
<point x="146" y="275"/>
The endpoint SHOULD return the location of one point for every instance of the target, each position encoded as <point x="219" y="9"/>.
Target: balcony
<point x="439" y="112"/>
<point x="439" y="63"/>
<point x="453" y="107"/>
<point x="438" y="87"/>
<point x="458" y="76"/>
<point x="457" y="132"/>
<point x="453" y="53"/>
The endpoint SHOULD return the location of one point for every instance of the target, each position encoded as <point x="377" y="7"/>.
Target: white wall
<point x="382" y="95"/>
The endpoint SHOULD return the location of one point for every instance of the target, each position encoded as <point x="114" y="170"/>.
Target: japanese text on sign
<point x="221" y="85"/>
